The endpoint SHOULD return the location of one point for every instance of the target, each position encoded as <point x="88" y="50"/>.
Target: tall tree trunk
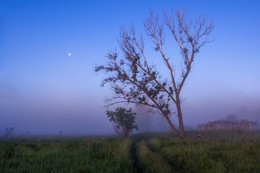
<point x="170" y="124"/>
<point x="180" y="119"/>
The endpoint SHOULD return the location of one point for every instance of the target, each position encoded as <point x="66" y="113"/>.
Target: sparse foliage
<point x="134" y="80"/>
<point x="123" y="120"/>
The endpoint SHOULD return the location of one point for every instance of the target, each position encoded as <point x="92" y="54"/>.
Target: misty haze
<point x="123" y="81"/>
<point x="48" y="83"/>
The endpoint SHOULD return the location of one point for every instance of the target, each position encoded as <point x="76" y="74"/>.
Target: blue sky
<point x="42" y="89"/>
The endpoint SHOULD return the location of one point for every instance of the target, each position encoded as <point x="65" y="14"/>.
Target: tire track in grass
<point x="154" y="146"/>
<point x="150" y="162"/>
<point x="134" y="156"/>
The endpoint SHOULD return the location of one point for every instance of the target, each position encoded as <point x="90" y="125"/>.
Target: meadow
<point x="216" y="152"/>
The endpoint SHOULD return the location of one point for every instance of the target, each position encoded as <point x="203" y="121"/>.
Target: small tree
<point x="124" y="121"/>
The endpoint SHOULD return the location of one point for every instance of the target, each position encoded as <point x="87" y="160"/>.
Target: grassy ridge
<point x="149" y="153"/>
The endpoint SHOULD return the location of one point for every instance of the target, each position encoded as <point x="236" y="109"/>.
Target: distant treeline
<point x="237" y="125"/>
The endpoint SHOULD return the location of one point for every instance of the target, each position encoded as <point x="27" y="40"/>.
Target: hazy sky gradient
<point x="43" y="90"/>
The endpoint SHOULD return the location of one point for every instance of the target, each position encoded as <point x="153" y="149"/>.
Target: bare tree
<point x="134" y="80"/>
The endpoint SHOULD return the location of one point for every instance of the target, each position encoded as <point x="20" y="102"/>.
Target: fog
<point x="48" y="51"/>
<point x="49" y="114"/>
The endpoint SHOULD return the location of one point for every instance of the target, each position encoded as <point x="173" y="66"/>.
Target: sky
<point x="49" y="48"/>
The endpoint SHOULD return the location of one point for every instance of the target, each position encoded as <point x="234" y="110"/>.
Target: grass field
<point x="217" y="152"/>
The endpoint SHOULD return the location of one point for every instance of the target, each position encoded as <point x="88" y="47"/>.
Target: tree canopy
<point x="123" y="120"/>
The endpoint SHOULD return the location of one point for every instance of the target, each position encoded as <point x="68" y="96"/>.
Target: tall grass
<point x="66" y="156"/>
<point x="216" y="152"/>
<point x="209" y="156"/>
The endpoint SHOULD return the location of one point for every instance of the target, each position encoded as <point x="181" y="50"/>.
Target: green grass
<point x="151" y="162"/>
<point x="104" y="155"/>
<point x="148" y="153"/>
